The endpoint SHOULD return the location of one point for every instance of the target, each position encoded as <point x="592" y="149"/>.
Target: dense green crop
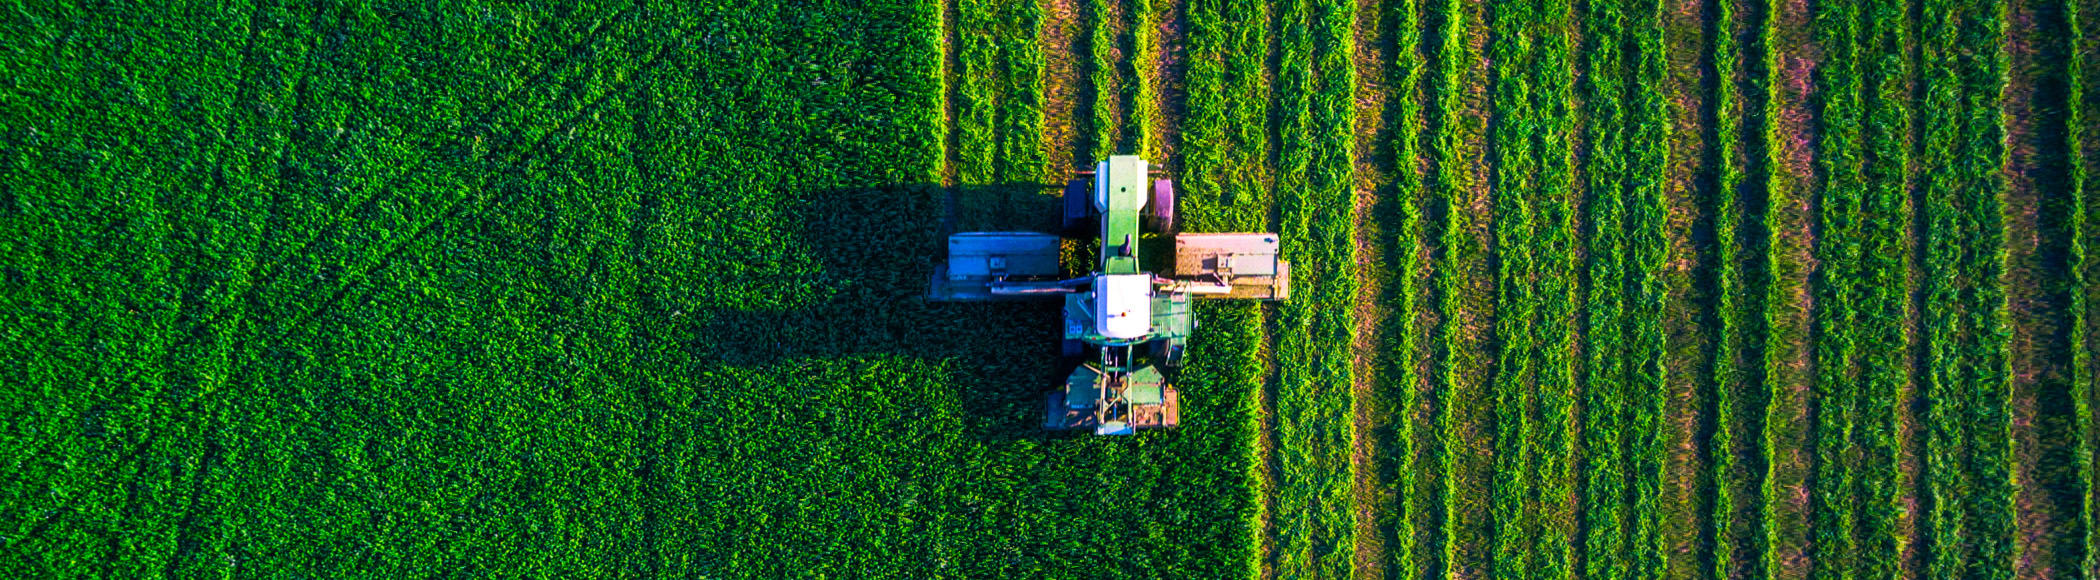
<point x="1314" y="90"/>
<point x="1838" y="291"/>
<point x="468" y="288"/>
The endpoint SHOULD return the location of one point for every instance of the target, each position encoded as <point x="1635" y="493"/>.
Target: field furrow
<point x="1409" y="393"/>
<point x="1465" y="281"/>
<point x="1375" y="424"/>
<point x="1791" y="59"/>
<point x="1735" y="445"/>
<point x="2035" y="192"/>
<point x="1688" y="324"/>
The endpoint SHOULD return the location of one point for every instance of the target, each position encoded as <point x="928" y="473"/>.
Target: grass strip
<point x="1647" y="252"/>
<point x="1884" y="255"/>
<point x="1606" y="456"/>
<point x="1837" y="288"/>
<point x="1404" y="556"/>
<point x="1516" y="381"/>
<point x="1558" y="270"/>
<point x="1314" y="96"/>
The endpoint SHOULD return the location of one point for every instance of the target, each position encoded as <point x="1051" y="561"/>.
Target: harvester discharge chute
<point x="1125" y="324"/>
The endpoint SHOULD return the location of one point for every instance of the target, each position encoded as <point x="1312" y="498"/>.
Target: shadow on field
<point x="877" y="247"/>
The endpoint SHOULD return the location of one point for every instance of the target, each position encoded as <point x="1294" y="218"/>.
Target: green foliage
<point x="1883" y="346"/>
<point x="1314" y="89"/>
<point x="1647" y="249"/>
<point x="1606" y="440"/>
<point x="409" y="290"/>
<point x="2085" y="376"/>
<point x="1838" y="290"/>
<point x="1515" y="174"/>
<point x="1405" y="557"/>
<point x="1731" y="304"/>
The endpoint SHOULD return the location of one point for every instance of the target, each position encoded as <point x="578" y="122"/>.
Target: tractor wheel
<point x="1162" y="207"/>
<point x="1078" y="212"/>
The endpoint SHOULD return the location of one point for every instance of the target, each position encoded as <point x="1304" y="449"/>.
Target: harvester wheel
<point x="1162" y="207"/>
<point x="1078" y="211"/>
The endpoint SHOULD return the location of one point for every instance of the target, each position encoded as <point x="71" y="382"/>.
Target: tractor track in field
<point x="1062" y="87"/>
<point x="1272" y="378"/>
<point x="2036" y="254"/>
<point x="1911" y="435"/>
<point x="1689" y="227"/>
<point x="1169" y="70"/>
<point x="1790" y="302"/>
<point x="252" y="295"/>
<point x="1373" y="164"/>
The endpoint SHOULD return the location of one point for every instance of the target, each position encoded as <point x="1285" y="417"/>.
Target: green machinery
<point x="1124" y="325"/>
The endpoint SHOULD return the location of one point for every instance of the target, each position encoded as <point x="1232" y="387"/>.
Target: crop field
<point x="1601" y="289"/>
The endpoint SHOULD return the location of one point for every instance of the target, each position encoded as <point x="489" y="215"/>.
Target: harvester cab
<point x="1124" y="326"/>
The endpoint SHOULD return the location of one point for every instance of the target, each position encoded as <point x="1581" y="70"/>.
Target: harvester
<point x="1125" y="326"/>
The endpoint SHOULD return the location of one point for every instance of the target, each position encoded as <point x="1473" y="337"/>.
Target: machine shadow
<point x="877" y="247"/>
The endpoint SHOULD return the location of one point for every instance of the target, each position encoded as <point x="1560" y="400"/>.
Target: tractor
<point x="1125" y="326"/>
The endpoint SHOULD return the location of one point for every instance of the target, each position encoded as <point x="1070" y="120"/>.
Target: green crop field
<point x="1599" y="289"/>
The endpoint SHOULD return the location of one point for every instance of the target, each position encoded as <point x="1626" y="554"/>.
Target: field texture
<point x="1603" y="289"/>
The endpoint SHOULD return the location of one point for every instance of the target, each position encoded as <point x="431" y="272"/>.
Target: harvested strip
<point x="1408" y="393"/>
<point x="1735" y="447"/>
<point x="1790" y="63"/>
<point x="1466" y="282"/>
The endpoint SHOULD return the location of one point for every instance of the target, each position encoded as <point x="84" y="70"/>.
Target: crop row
<point x="1314" y="88"/>
<point x="1647" y="250"/>
<point x="1733" y="466"/>
<point x="1968" y="450"/>
<point x="1606" y="454"/>
<point x="1406" y="345"/>
<point x="1515" y="174"/>
<point x="2084" y="375"/>
<point x="1838" y="289"/>
<point x="1465" y="286"/>
<point x="1225" y="152"/>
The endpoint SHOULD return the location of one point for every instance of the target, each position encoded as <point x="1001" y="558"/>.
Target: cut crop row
<point x="1225" y="155"/>
<point x="1409" y="346"/>
<point x="1515" y="180"/>
<point x="1314" y="99"/>
<point x="1969" y="448"/>
<point x="1735" y="470"/>
<point x="1465" y="287"/>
